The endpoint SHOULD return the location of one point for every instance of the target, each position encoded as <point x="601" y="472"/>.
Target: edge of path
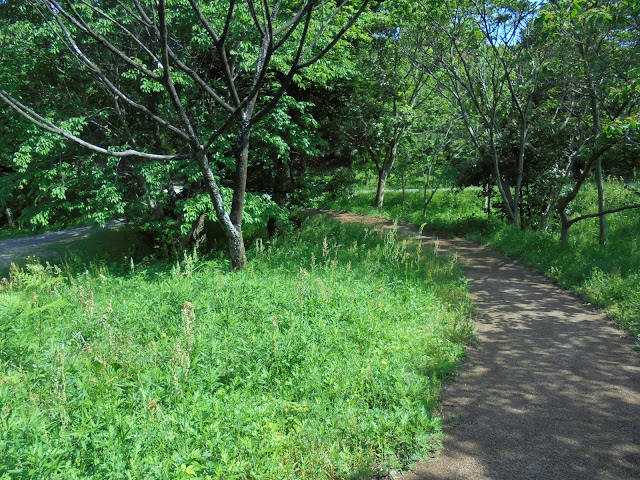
<point x="551" y="391"/>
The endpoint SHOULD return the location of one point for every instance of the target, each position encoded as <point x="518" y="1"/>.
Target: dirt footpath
<point x="551" y="391"/>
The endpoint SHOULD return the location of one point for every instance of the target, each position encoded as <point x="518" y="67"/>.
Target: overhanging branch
<point x="603" y="213"/>
<point x="49" y="126"/>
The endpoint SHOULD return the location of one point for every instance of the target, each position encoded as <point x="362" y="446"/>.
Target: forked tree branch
<point x="76" y="19"/>
<point x="83" y="57"/>
<point x="168" y="81"/>
<point x="338" y="36"/>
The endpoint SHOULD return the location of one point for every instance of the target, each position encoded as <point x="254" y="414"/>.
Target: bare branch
<point x="285" y="84"/>
<point x="227" y="22"/>
<point x="254" y="16"/>
<point x="631" y="142"/>
<point x="143" y="21"/>
<point x="143" y="13"/>
<point x="222" y="128"/>
<point x="78" y="21"/>
<point x="219" y="43"/>
<point x="168" y="81"/>
<point x="295" y="21"/>
<point x="292" y="25"/>
<point x="205" y="23"/>
<point x="324" y="26"/>
<point x="45" y="124"/>
<point x="196" y="78"/>
<point x="77" y="51"/>
<point x="604" y="212"/>
<point x="125" y="30"/>
<point x="337" y="37"/>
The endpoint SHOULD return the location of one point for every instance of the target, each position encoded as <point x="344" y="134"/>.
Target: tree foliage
<point x="181" y="80"/>
<point x="170" y="111"/>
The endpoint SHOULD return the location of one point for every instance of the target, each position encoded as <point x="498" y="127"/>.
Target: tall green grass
<point x="608" y="275"/>
<point x="323" y="360"/>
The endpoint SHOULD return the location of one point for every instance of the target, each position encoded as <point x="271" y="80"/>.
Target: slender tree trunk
<point x="241" y="153"/>
<point x="152" y="204"/>
<point x="565" y="225"/>
<point x="521" y="209"/>
<point x="7" y="213"/>
<point x="486" y="192"/>
<point x="383" y="173"/>
<point x="403" y="179"/>
<point x="382" y="181"/>
<point x="434" y="188"/>
<point x="503" y="187"/>
<point x="512" y="208"/>
<point x="517" y="200"/>
<point x="236" y="245"/>
<point x="544" y="220"/>
<point x="602" y="218"/>
<point x="595" y="116"/>
<point x="425" y="199"/>
<point x="235" y="242"/>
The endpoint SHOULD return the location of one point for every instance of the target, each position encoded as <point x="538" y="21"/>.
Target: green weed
<point x="323" y="360"/>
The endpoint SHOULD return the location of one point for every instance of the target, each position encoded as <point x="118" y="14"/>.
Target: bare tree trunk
<point x="602" y="218"/>
<point x="7" y="212"/>
<point x="236" y="245"/>
<point x="235" y="241"/>
<point x="237" y="252"/>
<point x="382" y="181"/>
<point x="517" y="201"/>
<point x="564" y="201"/>
<point x="564" y="220"/>
<point x="488" y="196"/>
<point x="425" y="200"/>
<point x="503" y="187"/>
<point x="595" y="115"/>
<point x="152" y="204"/>
<point x="544" y="219"/>
<point x="403" y="179"/>
<point x="386" y="169"/>
<point x="505" y="192"/>
<point x="434" y="189"/>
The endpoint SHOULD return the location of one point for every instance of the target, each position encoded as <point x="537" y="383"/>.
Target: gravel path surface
<point x="551" y="391"/>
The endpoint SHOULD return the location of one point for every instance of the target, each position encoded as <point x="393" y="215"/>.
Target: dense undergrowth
<point x="608" y="275"/>
<point x="323" y="360"/>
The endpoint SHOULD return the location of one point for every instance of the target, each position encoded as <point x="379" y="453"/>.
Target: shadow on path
<point x="552" y="391"/>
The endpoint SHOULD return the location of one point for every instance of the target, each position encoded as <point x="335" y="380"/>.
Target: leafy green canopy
<point x="173" y="91"/>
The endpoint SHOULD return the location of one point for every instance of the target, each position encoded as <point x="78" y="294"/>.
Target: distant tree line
<point x="177" y="110"/>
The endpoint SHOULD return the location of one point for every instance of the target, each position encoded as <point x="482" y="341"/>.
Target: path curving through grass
<point x="552" y="389"/>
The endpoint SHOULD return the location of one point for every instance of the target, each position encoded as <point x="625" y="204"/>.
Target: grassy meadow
<point x="608" y="275"/>
<point x="323" y="360"/>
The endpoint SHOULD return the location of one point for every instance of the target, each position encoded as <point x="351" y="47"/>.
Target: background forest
<point x="515" y="123"/>
<point x="528" y="101"/>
